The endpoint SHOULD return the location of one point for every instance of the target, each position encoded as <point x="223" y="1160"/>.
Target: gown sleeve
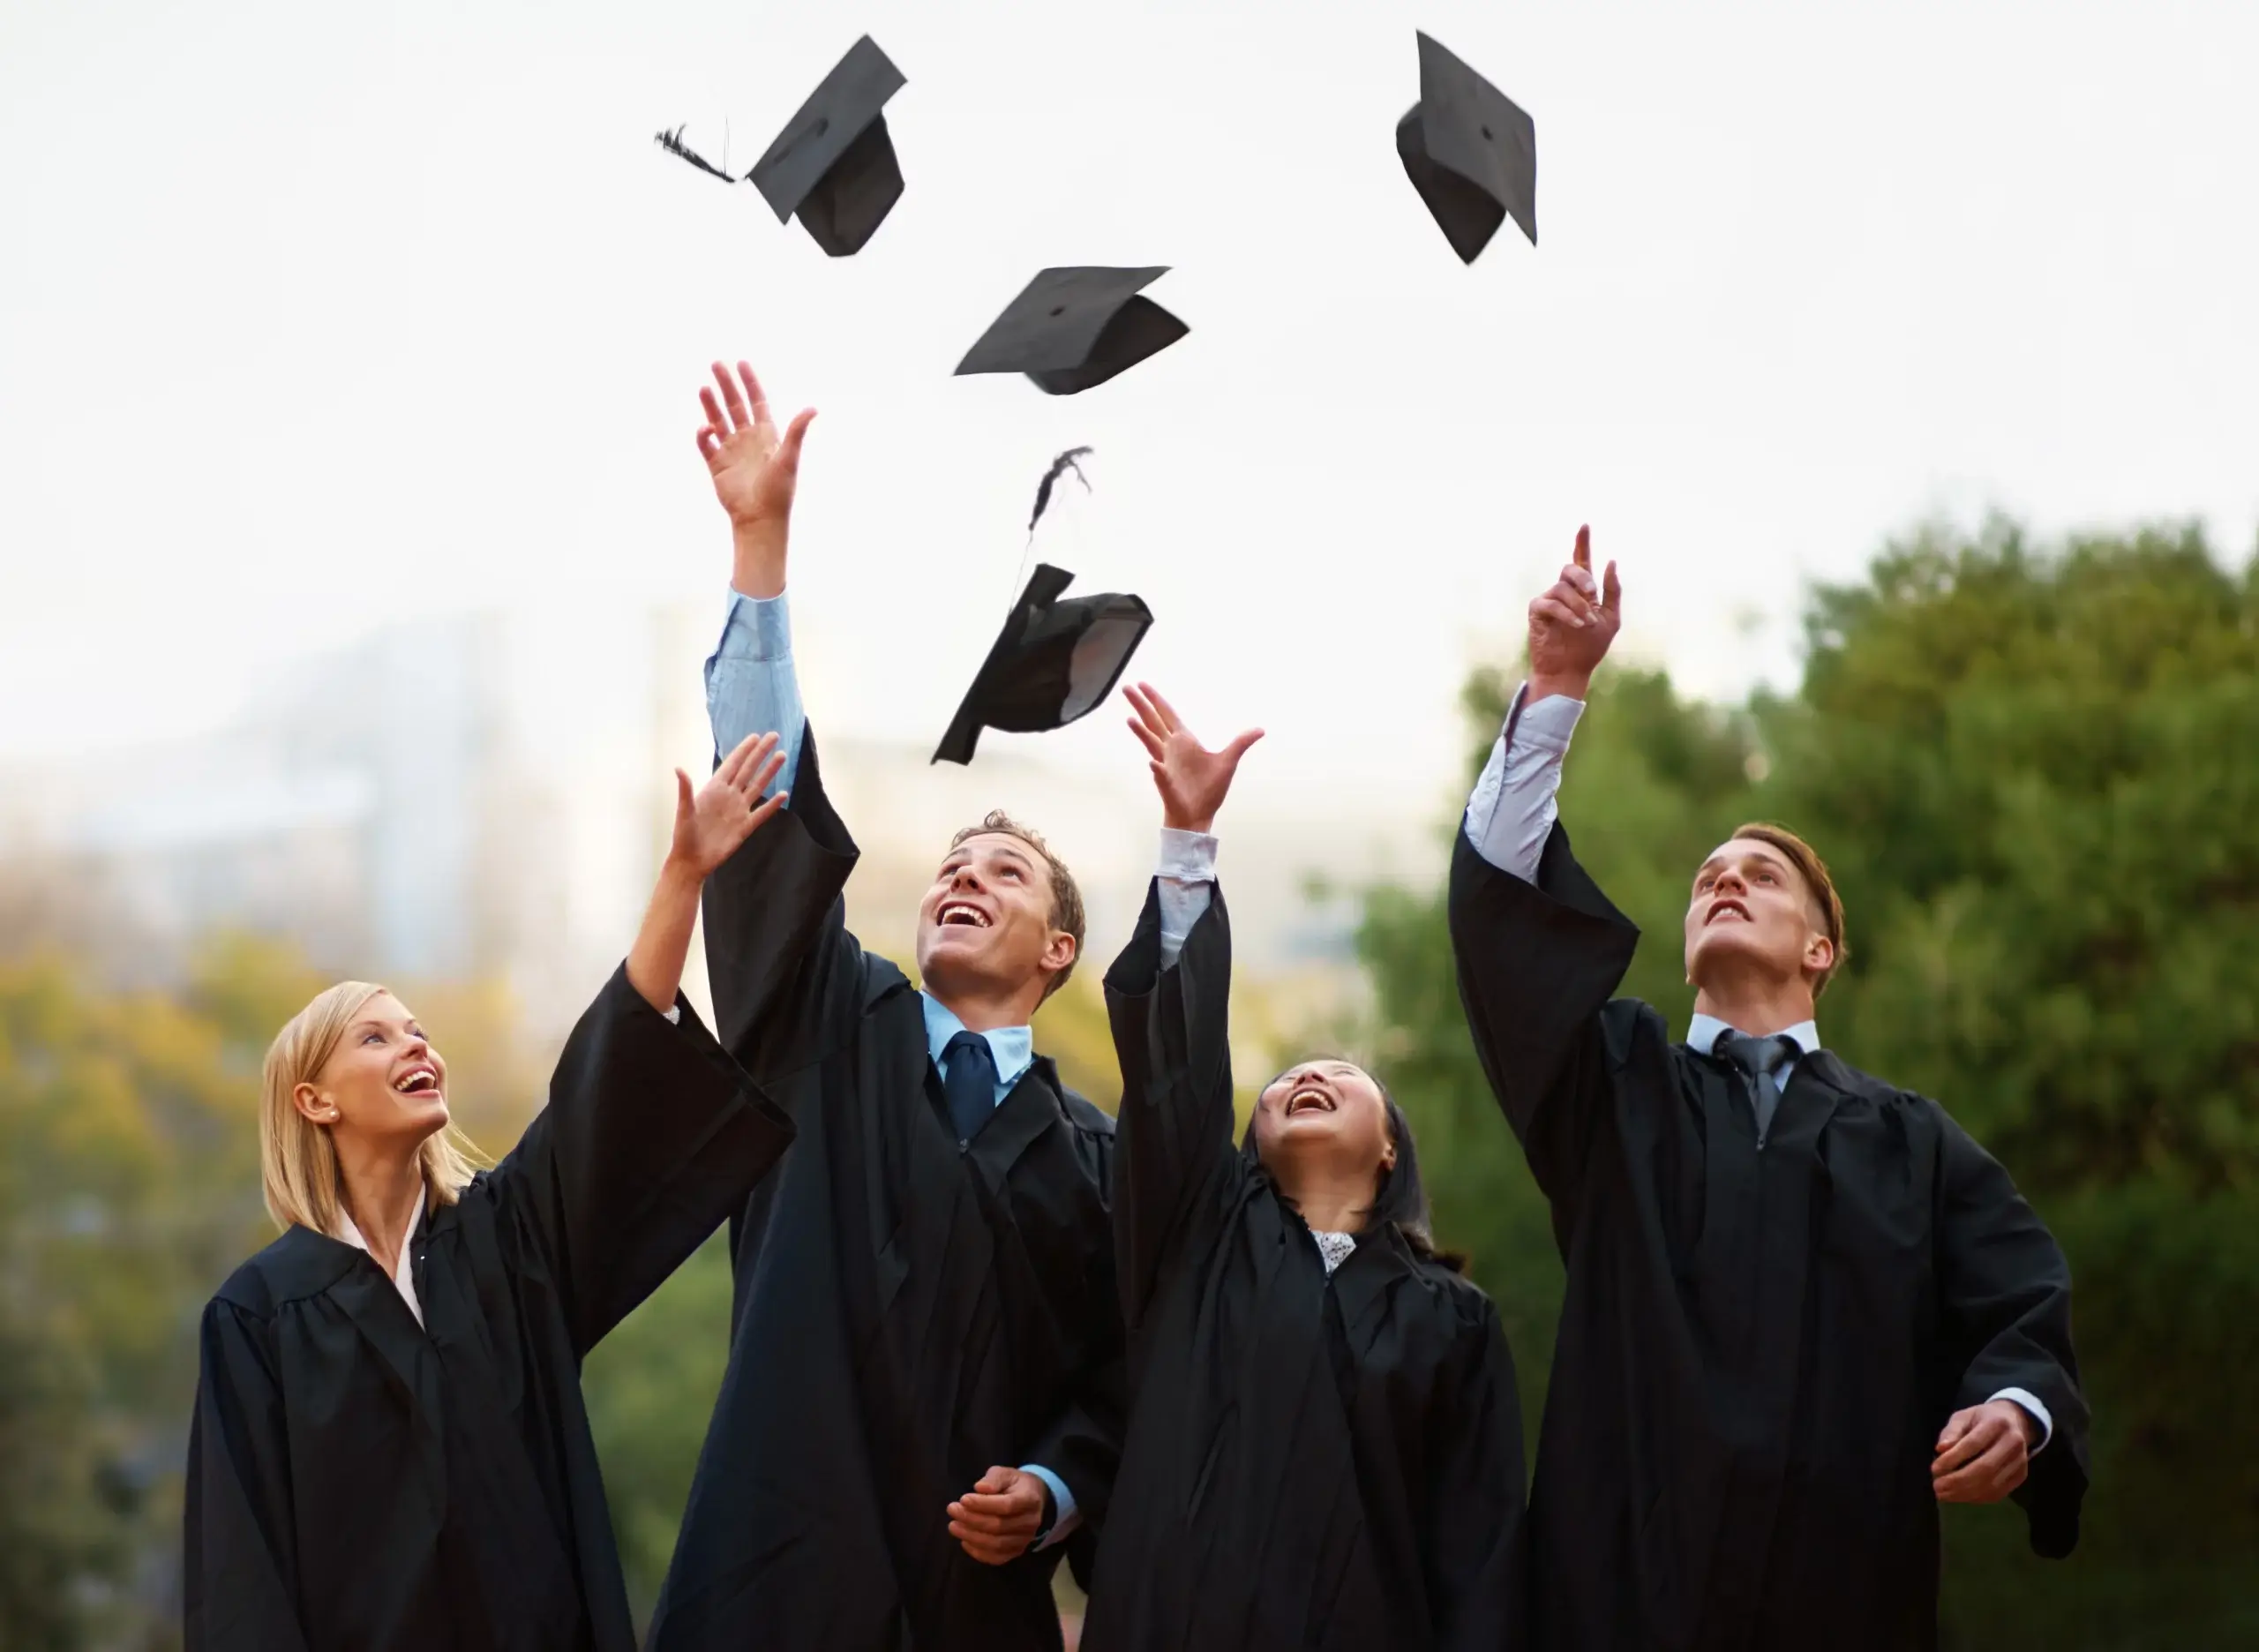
<point x="1475" y="1557"/>
<point x="2005" y="1292"/>
<point x="786" y="974"/>
<point x="238" y="1577"/>
<point x="1173" y="1135"/>
<point x="1536" y="963"/>
<point x="651" y="1136"/>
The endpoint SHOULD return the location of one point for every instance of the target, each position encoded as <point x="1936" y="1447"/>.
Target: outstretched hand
<point x="1572" y="625"/>
<point x="755" y="473"/>
<point x="1191" y="779"/>
<point x="729" y="809"/>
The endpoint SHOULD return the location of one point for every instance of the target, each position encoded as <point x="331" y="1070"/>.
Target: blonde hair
<point x="297" y="1163"/>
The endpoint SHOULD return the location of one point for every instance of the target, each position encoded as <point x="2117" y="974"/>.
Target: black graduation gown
<point x="907" y="1315"/>
<point x="1758" y="1347"/>
<point x="356" y="1481"/>
<point x="1310" y="1462"/>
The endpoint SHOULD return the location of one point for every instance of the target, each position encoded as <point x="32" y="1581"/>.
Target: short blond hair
<point x="298" y="1162"/>
<point x="1066" y="894"/>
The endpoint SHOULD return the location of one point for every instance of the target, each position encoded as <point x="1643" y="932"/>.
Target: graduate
<point x="1325" y="1443"/>
<point x="390" y="1452"/>
<point x="1805" y="1308"/>
<point x="921" y="1407"/>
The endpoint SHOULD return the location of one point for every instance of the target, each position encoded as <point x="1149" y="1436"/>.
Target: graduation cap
<point x="1074" y="328"/>
<point x="1470" y="152"/>
<point x="1053" y="663"/>
<point x="834" y="164"/>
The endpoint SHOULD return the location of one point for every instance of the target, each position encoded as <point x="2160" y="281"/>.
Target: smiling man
<point x="1803" y="1307"/>
<point x="924" y="1393"/>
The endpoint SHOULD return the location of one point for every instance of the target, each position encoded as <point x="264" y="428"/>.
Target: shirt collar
<point x="353" y="1236"/>
<point x="1702" y="1035"/>
<point x="1013" y="1047"/>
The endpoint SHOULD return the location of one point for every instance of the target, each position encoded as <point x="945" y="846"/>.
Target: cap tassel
<point x="672" y="143"/>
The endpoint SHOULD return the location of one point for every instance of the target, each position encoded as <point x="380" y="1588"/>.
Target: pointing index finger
<point x="1583" y="557"/>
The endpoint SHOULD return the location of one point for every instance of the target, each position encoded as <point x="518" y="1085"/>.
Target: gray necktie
<point x="1758" y="1059"/>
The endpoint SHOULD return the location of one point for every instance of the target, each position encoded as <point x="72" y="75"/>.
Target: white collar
<point x="401" y="1275"/>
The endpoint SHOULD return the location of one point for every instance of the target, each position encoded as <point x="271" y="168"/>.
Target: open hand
<point x="728" y="808"/>
<point x="1984" y="1453"/>
<point x="1191" y="779"/>
<point x="999" y="1520"/>
<point x="754" y="470"/>
<point x="1571" y="624"/>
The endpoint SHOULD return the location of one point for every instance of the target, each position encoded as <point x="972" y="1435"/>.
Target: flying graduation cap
<point x="1470" y="152"/>
<point x="1054" y="661"/>
<point x="1074" y="328"/>
<point x="834" y="164"/>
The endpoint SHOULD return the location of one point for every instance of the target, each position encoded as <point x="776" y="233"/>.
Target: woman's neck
<point x="1330" y="1203"/>
<point x="384" y="1194"/>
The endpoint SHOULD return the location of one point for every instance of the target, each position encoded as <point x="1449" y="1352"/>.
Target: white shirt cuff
<point x="1188" y="857"/>
<point x="757" y="628"/>
<point x="2031" y="1403"/>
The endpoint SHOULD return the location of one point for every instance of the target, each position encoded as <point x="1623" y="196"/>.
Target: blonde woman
<point x="390" y="1448"/>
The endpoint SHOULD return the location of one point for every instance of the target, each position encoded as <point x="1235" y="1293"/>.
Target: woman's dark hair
<point x="1401" y="1199"/>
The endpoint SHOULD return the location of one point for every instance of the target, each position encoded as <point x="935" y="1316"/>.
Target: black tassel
<point x="672" y="143"/>
<point x="1060" y="465"/>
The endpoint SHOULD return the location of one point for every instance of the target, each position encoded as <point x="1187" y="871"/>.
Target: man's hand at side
<point x="1984" y="1453"/>
<point x="1000" y="1519"/>
<point x="755" y="472"/>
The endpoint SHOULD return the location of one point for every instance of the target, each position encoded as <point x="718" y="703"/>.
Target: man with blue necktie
<point x="925" y="1292"/>
<point x="1803" y="1307"/>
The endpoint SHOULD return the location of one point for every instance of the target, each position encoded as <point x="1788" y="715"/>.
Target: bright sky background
<point x="316" y="317"/>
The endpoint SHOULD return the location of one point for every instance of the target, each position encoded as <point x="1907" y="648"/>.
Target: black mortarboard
<point x="834" y="164"/>
<point x="1054" y="662"/>
<point x="1470" y="152"/>
<point x="1073" y="329"/>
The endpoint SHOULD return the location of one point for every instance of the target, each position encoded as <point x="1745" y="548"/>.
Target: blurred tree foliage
<point x="2036" y="778"/>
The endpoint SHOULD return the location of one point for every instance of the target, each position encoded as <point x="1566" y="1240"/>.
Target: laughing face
<point x="985" y="926"/>
<point x="1328" y="1109"/>
<point x="1750" y="910"/>
<point x="384" y="1083"/>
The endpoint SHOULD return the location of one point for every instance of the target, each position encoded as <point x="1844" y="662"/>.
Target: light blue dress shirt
<point x="1510" y="815"/>
<point x="752" y="689"/>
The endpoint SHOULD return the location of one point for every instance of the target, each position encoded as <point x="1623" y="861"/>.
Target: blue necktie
<point x="969" y="1081"/>
<point x="1758" y="1059"/>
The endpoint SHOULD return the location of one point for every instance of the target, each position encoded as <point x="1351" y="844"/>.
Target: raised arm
<point x="751" y="685"/>
<point x="651" y="1135"/>
<point x="1167" y="997"/>
<point x="785" y="974"/>
<point x="1539" y="948"/>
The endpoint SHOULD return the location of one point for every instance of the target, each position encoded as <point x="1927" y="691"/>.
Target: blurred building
<point x="488" y="797"/>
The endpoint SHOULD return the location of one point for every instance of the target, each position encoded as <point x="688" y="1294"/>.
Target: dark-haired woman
<point x="390" y="1452"/>
<point x="1325" y="1445"/>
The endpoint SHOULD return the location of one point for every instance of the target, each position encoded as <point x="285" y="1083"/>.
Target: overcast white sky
<point x="313" y="316"/>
